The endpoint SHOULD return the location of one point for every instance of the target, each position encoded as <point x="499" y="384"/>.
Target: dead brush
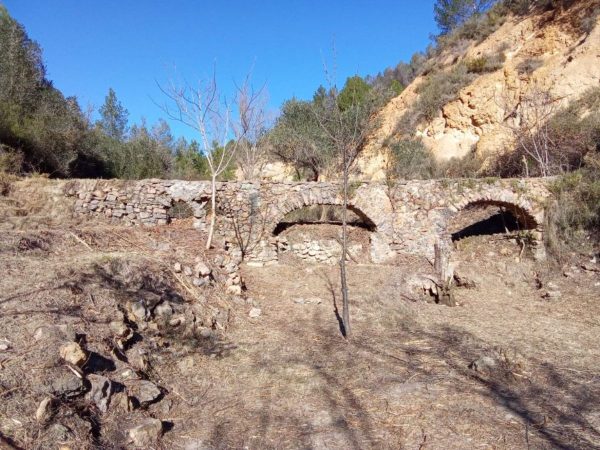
<point x="6" y="183"/>
<point x="31" y="243"/>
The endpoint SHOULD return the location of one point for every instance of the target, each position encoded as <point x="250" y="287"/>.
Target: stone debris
<point x="100" y="392"/>
<point x="308" y="301"/>
<point x="4" y="345"/>
<point x="73" y="354"/>
<point x="45" y="410"/>
<point x="145" y="392"/>
<point x="146" y="433"/>
<point x="483" y="364"/>
<point x="202" y="270"/>
<point x="255" y="313"/>
<point x="550" y="295"/>
<point x="67" y="385"/>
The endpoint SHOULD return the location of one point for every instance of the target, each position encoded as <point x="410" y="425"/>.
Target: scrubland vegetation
<point x="42" y="132"/>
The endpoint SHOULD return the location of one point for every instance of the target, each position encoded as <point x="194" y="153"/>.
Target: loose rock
<point x="73" y="354"/>
<point x="4" y="345"/>
<point x="67" y="385"/>
<point x="45" y="410"/>
<point x="147" y="433"/>
<point x="145" y="392"/>
<point x="202" y="270"/>
<point x="483" y="364"/>
<point x="255" y="313"/>
<point x="100" y="392"/>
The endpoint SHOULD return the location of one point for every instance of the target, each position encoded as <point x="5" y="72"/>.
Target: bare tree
<point x="529" y="120"/>
<point x="218" y="122"/>
<point x="345" y="128"/>
<point x="252" y="131"/>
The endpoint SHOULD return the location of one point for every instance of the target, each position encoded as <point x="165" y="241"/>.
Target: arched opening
<point x="488" y="217"/>
<point x="490" y="240"/>
<point x="313" y="234"/>
<point x="330" y="214"/>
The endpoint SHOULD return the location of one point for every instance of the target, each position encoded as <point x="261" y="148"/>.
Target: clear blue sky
<point x="90" y="46"/>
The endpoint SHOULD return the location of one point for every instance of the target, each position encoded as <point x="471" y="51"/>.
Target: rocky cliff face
<point x="547" y="51"/>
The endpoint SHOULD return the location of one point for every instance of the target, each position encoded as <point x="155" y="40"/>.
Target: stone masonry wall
<point x="408" y="217"/>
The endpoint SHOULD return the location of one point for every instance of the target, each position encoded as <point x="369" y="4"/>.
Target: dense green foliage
<point x="450" y="14"/>
<point x="42" y="131"/>
<point x="38" y="126"/>
<point x="302" y="135"/>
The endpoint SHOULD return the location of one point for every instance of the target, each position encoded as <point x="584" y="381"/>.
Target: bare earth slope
<point x="547" y="51"/>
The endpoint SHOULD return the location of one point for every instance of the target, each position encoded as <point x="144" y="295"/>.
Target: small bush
<point x="529" y="65"/>
<point x="180" y="210"/>
<point x="486" y="63"/>
<point x="570" y="138"/>
<point x="409" y="160"/>
<point x="11" y="161"/>
<point x="466" y="167"/>
<point x="439" y="89"/>
<point x="576" y="214"/>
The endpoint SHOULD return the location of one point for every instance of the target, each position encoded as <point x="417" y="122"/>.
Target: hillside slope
<point x="550" y="51"/>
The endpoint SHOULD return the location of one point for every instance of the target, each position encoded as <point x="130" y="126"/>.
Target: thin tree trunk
<point x="345" y="302"/>
<point x="213" y="205"/>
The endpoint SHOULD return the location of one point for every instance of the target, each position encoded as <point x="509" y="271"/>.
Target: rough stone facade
<point x="407" y="218"/>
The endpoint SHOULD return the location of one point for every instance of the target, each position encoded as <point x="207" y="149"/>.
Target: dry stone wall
<point x="407" y="217"/>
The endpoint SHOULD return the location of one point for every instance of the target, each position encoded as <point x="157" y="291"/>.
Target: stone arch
<point x="527" y="216"/>
<point x="300" y="202"/>
<point x="370" y="208"/>
<point x="523" y="210"/>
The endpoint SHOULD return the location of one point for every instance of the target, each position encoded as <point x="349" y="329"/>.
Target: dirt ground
<point x="286" y="378"/>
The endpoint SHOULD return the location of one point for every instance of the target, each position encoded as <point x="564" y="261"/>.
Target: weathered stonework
<point x="406" y="218"/>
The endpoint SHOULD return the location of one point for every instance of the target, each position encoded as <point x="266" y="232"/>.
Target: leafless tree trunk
<point x="444" y="294"/>
<point x="253" y="147"/>
<point x="343" y="279"/>
<point x="346" y="130"/>
<point x="529" y="122"/>
<point x="202" y="109"/>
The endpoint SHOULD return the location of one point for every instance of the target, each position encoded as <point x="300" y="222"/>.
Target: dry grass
<point x="288" y="379"/>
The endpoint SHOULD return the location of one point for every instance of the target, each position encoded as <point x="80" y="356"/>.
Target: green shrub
<point x="467" y="167"/>
<point x="410" y="159"/>
<point x="439" y="89"/>
<point x="576" y="214"/>
<point x="486" y="63"/>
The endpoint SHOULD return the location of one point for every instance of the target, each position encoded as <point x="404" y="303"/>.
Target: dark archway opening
<point x="313" y="234"/>
<point x="488" y="218"/>
<point x="324" y="214"/>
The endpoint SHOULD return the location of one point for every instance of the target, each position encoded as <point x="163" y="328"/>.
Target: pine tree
<point x="113" y="117"/>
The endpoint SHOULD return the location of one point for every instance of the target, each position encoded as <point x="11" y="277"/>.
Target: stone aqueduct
<point x="408" y="217"/>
